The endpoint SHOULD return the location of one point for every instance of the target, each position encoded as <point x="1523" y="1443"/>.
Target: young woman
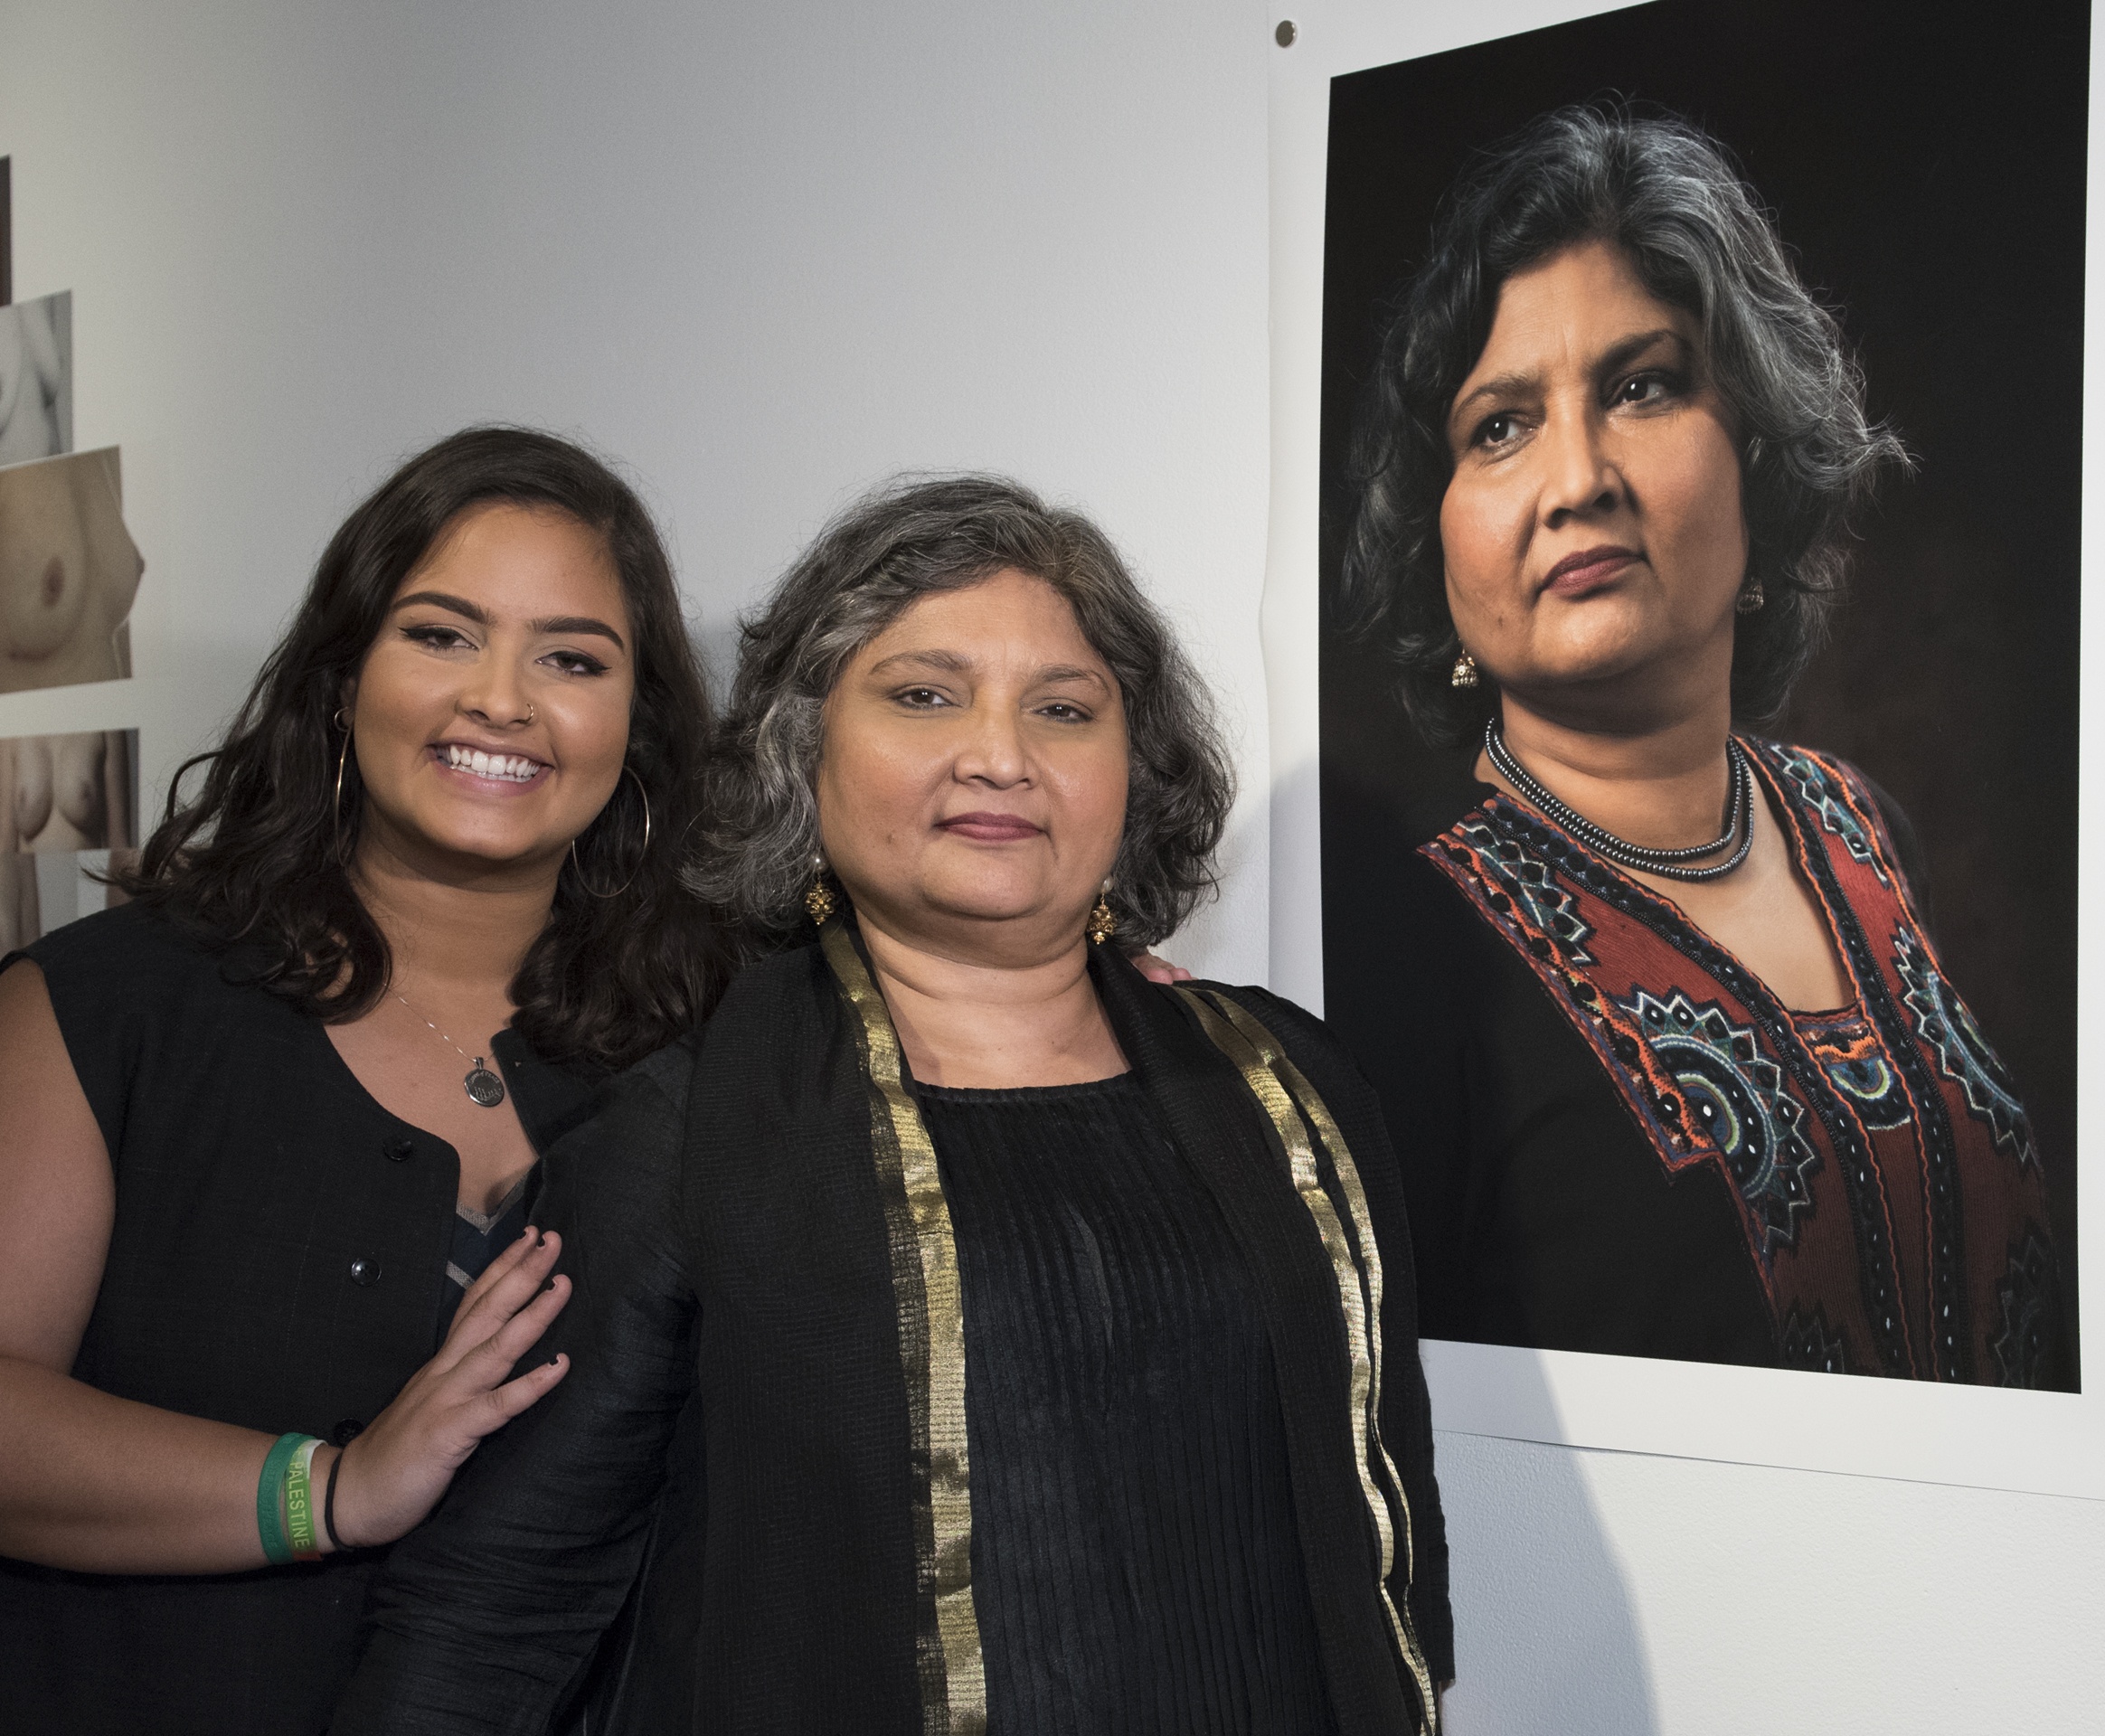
<point x="271" y="1126"/>
<point x="1019" y="1344"/>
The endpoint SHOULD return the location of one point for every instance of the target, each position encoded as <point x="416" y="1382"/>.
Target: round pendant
<point x="483" y="1086"/>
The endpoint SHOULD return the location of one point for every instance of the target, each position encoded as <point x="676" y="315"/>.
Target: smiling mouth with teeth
<point x="505" y="768"/>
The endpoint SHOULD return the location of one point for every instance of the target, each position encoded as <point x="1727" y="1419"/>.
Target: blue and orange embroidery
<point x="1715" y="1071"/>
<point x="1506" y="869"/>
<point x="1943" y="1022"/>
<point x="1544" y="905"/>
<point x="1856" y="1063"/>
<point x="1829" y="801"/>
<point x="1737" y="1097"/>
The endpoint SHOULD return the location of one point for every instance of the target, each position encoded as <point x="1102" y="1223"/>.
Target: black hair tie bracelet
<point x="329" y="1502"/>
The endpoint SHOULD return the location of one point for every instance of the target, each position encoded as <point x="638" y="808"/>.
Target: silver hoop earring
<point x="342" y="756"/>
<point x="640" y="854"/>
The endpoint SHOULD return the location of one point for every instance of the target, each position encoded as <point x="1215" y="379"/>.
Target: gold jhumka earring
<point x="1464" y="673"/>
<point x="1103" y="921"/>
<point x="1751" y="598"/>
<point x="818" y="899"/>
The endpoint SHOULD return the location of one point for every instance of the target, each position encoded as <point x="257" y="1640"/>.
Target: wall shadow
<point x="1547" y="1635"/>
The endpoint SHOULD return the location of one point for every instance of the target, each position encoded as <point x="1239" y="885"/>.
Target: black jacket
<point x="734" y="1338"/>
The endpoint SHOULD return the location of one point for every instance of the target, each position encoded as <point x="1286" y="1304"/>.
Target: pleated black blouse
<point x="1136" y="1564"/>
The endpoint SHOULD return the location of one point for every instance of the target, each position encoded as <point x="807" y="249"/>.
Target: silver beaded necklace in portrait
<point x="1669" y="864"/>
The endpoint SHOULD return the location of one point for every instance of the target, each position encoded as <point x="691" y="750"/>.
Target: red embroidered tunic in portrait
<point x="1887" y="1184"/>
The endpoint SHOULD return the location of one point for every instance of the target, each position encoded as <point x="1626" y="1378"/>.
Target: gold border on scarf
<point x="1286" y="1095"/>
<point x="932" y="1342"/>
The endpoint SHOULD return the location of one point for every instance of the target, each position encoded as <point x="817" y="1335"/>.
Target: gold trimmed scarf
<point x="931" y="1347"/>
<point x="1293" y="1106"/>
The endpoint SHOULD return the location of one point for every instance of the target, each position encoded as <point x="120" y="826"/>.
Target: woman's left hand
<point x="396" y="1470"/>
<point x="1160" y="970"/>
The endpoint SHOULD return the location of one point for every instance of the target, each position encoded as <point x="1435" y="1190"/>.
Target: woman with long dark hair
<point x="272" y="1126"/>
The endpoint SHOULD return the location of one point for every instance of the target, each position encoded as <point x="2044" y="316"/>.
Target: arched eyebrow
<point x="577" y="624"/>
<point x="1620" y="355"/>
<point x="952" y="663"/>
<point x="480" y="616"/>
<point x="1072" y="672"/>
<point x="453" y="604"/>
<point x="947" y="663"/>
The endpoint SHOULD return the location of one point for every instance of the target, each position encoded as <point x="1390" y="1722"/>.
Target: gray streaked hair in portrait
<point x="1667" y="195"/>
<point x="910" y="540"/>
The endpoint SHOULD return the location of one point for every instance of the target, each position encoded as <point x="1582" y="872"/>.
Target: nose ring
<point x="529" y="713"/>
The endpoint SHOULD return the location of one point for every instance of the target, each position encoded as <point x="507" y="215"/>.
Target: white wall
<point x="765" y="254"/>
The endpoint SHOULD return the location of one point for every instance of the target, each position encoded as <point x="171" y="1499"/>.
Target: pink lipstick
<point x="1577" y="574"/>
<point x="990" y="828"/>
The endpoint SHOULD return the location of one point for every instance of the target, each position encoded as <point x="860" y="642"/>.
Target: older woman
<point x="1035" y="1345"/>
<point x="1689" y="1077"/>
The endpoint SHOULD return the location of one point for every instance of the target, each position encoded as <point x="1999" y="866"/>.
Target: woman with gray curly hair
<point x="1687" y="1076"/>
<point x="1019" y="1344"/>
<point x="762" y="842"/>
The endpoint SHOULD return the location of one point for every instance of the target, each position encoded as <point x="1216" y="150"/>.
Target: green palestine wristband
<point x="270" y="1495"/>
<point x="299" y="1502"/>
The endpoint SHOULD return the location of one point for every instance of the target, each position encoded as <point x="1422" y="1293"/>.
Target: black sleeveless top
<point x="1136" y="1563"/>
<point x="278" y="1261"/>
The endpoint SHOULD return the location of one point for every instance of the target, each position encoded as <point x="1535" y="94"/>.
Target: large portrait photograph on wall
<point x="1687" y="366"/>
<point x="1697" y="550"/>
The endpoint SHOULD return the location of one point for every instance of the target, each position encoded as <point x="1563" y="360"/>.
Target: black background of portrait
<point x="1925" y="166"/>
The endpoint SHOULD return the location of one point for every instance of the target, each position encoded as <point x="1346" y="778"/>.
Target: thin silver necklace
<point x="1669" y="864"/>
<point x="481" y="1084"/>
